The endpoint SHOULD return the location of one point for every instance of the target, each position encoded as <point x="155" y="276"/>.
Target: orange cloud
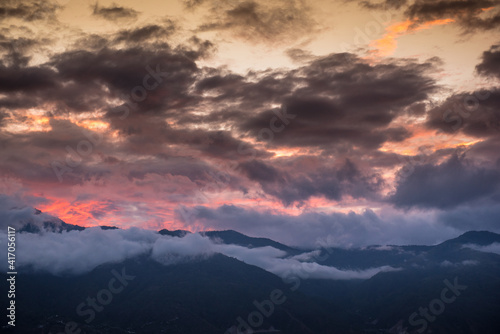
<point x="487" y="9"/>
<point x="68" y="212"/>
<point x="387" y="45"/>
<point x="77" y="213"/>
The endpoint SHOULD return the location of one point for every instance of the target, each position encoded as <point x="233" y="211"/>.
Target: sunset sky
<point x="351" y="122"/>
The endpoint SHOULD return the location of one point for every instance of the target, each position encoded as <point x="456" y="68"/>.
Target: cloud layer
<point x="191" y="115"/>
<point x="77" y="252"/>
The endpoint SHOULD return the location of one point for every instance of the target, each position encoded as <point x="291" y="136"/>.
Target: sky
<point x="349" y="122"/>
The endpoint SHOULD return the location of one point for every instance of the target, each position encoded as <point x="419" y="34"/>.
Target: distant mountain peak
<point x="479" y="237"/>
<point x="482" y="238"/>
<point x="176" y="233"/>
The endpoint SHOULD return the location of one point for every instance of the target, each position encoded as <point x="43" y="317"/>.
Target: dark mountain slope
<point x="236" y="238"/>
<point x="201" y="296"/>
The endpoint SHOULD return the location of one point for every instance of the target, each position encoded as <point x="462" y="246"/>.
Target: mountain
<point x="236" y="238"/>
<point x="482" y="238"/>
<point x="176" y="233"/>
<point x="205" y="295"/>
<point x="446" y="288"/>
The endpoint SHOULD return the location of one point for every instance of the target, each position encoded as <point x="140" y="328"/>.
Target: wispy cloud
<point x="387" y="45"/>
<point x="493" y="248"/>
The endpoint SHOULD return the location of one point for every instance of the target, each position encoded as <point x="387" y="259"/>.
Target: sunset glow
<point x="204" y="115"/>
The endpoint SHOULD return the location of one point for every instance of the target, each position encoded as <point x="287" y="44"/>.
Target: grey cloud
<point x="447" y="185"/>
<point x="142" y="34"/>
<point x="273" y="260"/>
<point x="310" y="229"/>
<point x="467" y="13"/>
<point x="475" y="113"/>
<point x="481" y="216"/>
<point x="14" y="79"/>
<point x="363" y="101"/>
<point x="76" y="252"/>
<point x="259" y="21"/>
<point x="15" y="213"/>
<point x="490" y="62"/>
<point x="493" y="248"/>
<point x="114" y="12"/>
<point x="296" y="187"/>
<point x="28" y="10"/>
<point x="384" y="4"/>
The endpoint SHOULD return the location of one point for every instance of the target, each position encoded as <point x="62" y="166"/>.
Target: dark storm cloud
<point x="258" y="21"/>
<point x="28" y="156"/>
<point x="426" y="10"/>
<point x="338" y="100"/>
<point x="490" y="64"/>
<point x="26" y="79"/>
<point x="78" y="81"/>
<point x="122" y="69"/>
<point x="297" y="186"/>
<point x="482" y="216"/>
<point x="28" y="10"/>
<point x="385" y="4"/>
<point x="341" y="101"/>
<point x="114" y="12"/>
<point x="467" y="13"/>
<point x="476" y="114"/>
<point x="195" y="169"/>
<point x="195" y="120"/>
<point x="446" y="185"/>
<point x="15" y="50"/>
<point x="81" y="80"/>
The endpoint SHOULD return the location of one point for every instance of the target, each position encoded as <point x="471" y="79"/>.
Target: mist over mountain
<point x="224" y="281"/>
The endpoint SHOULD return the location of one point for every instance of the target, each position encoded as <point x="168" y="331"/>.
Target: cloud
<point x="480" y="216"/>
<point x="447" y="263"/>
<point x="341" y="101"/>
<point x="310" y="229"/>
<point x="27" y="79"/>
<point x="331" y="183"/>
<point x="476" y="114"/>
<point x="259" y="21"/>
<point x="114" y="12"/>
<point x="386" y="46"/>
<point x="385" y="4"/>
<point x="493" y="248"/>
<point x="490" y="62"/>
<point x="77" y="252"/>
<point x="160" y="140"/>
<point x="15" y="213"/>
<point x="272" y="260"/>
<point x="466" y="12"/>
<point x="471" y="15"/>
<point x="28" y="10"/>
<point x="201" y="124"/>
<point x="141" y="34"/>
<point x="446" y="185"/>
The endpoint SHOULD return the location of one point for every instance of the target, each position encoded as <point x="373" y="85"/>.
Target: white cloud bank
<point x="77" y="252"/>
<point x="492" y="248"/>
